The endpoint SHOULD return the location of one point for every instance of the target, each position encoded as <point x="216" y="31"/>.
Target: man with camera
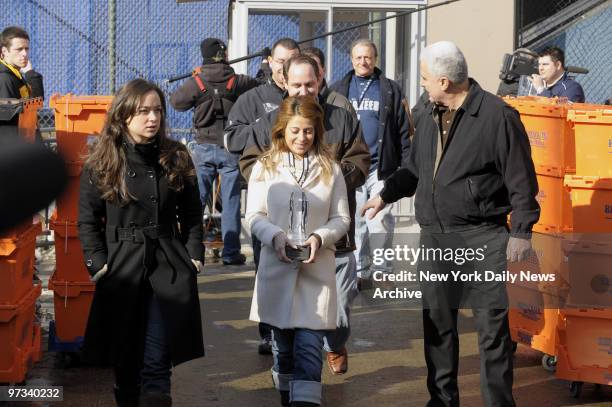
<point x="553" y="80"/>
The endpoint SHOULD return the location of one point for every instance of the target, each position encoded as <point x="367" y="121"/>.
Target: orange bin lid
<point x="539" y="106"/>
<point x="65" y="228"/>
<point x="602" y="116"/>
<point x="587" y="182"/>
<point x="70" y="289"/>
<point x="8" y="312"/>
<point x="71" y="105"/>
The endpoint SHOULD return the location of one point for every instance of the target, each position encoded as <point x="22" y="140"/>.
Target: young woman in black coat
<point x="140" y="226"/>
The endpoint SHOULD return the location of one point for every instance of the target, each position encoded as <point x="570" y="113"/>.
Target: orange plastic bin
<point x="68" y="203"/>
<point x="550" y="135"/>
<point x="534" y="306"/>
<point x="69" y="261"/>
<point x="71" y="302"/>
<point x="593" y="131"/>
<point x="17" y="264"/>
<point x="591" y="199"/>
<point x="27" y="121"/>
<point x="17" y="336"/>
<point x="555" y="202"/>
<point x="28" y="118"/>
<point x="77" y="118"/>
<point x="585" y="347"/>
<point x="590" y="276"/>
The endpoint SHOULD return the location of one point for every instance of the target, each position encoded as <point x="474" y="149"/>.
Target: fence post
<point x="112" y="40"/>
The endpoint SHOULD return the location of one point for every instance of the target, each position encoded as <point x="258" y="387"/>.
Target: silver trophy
<point x="298" y="216"/>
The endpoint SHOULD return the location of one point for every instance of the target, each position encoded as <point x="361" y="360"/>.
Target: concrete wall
<point x="483" y="29"/>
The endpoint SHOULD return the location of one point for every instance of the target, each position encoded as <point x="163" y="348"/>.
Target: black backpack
<point x="223" y="97"/>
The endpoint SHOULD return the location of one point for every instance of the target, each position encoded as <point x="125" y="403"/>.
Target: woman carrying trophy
<point x="297" y="206"/>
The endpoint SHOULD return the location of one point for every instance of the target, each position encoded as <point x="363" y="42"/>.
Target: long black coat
<point x="144" y="249"/>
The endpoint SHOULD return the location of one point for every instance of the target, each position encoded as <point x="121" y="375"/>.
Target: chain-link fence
<point x="70" y="42"/>
<point x="267" y="28"/>
<point x="532" y="12"/>
<point x="581" y="28"/>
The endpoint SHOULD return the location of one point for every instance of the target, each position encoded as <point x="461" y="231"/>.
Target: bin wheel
<point x="576" y="389"/>
<point x="514" y="346"/>
<point x="549" y="362"/>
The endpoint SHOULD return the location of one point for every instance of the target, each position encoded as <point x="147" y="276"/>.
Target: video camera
<point x="521" y="62"/>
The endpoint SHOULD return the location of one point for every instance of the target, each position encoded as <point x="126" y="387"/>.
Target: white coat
<point x="296" y="295"/>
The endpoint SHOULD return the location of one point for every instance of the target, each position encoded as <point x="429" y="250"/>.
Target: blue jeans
<point x="346" y="289"/>
<point x="372" y="233"/>
<point x="155" y="373"/>
<point x="211" y="160"/>
<point x="298" y="361"/>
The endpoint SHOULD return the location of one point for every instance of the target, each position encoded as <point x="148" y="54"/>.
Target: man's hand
<point x="99" y="274"/>
<point x="27" y="68"/>
<point x="373" y="206"/>
<point x="197" y="264"/>
<point x="314" y="244"/>
<point x="279" y="242"/>
<point x="518" y="249"/>
<point x="538" y="82"/>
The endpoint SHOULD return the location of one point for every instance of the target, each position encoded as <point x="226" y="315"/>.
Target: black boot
<point x="303" y="404"/>
<point x="284" y="398"/>
<point x="155" y="400"/>
<point x="127" y="396"/>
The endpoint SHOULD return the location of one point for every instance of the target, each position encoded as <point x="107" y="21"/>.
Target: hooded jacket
<point x="190" y="96"/>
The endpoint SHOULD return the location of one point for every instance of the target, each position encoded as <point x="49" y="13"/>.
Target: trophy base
<point x="300" y="254"/>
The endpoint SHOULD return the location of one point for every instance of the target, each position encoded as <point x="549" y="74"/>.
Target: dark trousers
<point x="488" y="301"/>
<point x="149" y="368"/>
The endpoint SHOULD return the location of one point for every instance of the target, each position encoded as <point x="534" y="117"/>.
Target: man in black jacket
<point x="17" y="78"/>
<point x="261" y="100"/>
<point x="211" y="92"/>
<point x="344" y="140"/>
<point x="382" y="111"/>
<point x="248" y="109"/>
<point x="470" y="166"/>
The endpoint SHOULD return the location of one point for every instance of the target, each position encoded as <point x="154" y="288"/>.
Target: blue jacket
<point x="565" y="87"/>
<point x="395" y="123"/>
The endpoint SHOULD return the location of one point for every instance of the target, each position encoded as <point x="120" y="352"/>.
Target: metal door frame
<point x="238" y="41"/>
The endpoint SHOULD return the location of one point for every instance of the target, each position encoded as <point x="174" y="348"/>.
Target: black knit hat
<point x="213" y="51"/>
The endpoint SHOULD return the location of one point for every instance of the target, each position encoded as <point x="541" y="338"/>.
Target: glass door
<point x="268" y="26"/>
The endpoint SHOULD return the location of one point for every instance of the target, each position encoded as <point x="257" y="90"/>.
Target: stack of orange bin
<point x="19" y="326"/>
<point x="28" y="115"/>
<point x="78" y="119"/>
<point x="534" y="307"/>
<point x="28" y="118"/>
<point x="585" y="330"/>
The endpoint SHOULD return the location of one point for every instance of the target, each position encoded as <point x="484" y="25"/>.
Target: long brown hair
<point x="108" y="160"/>
<point x="308" y="108"/>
